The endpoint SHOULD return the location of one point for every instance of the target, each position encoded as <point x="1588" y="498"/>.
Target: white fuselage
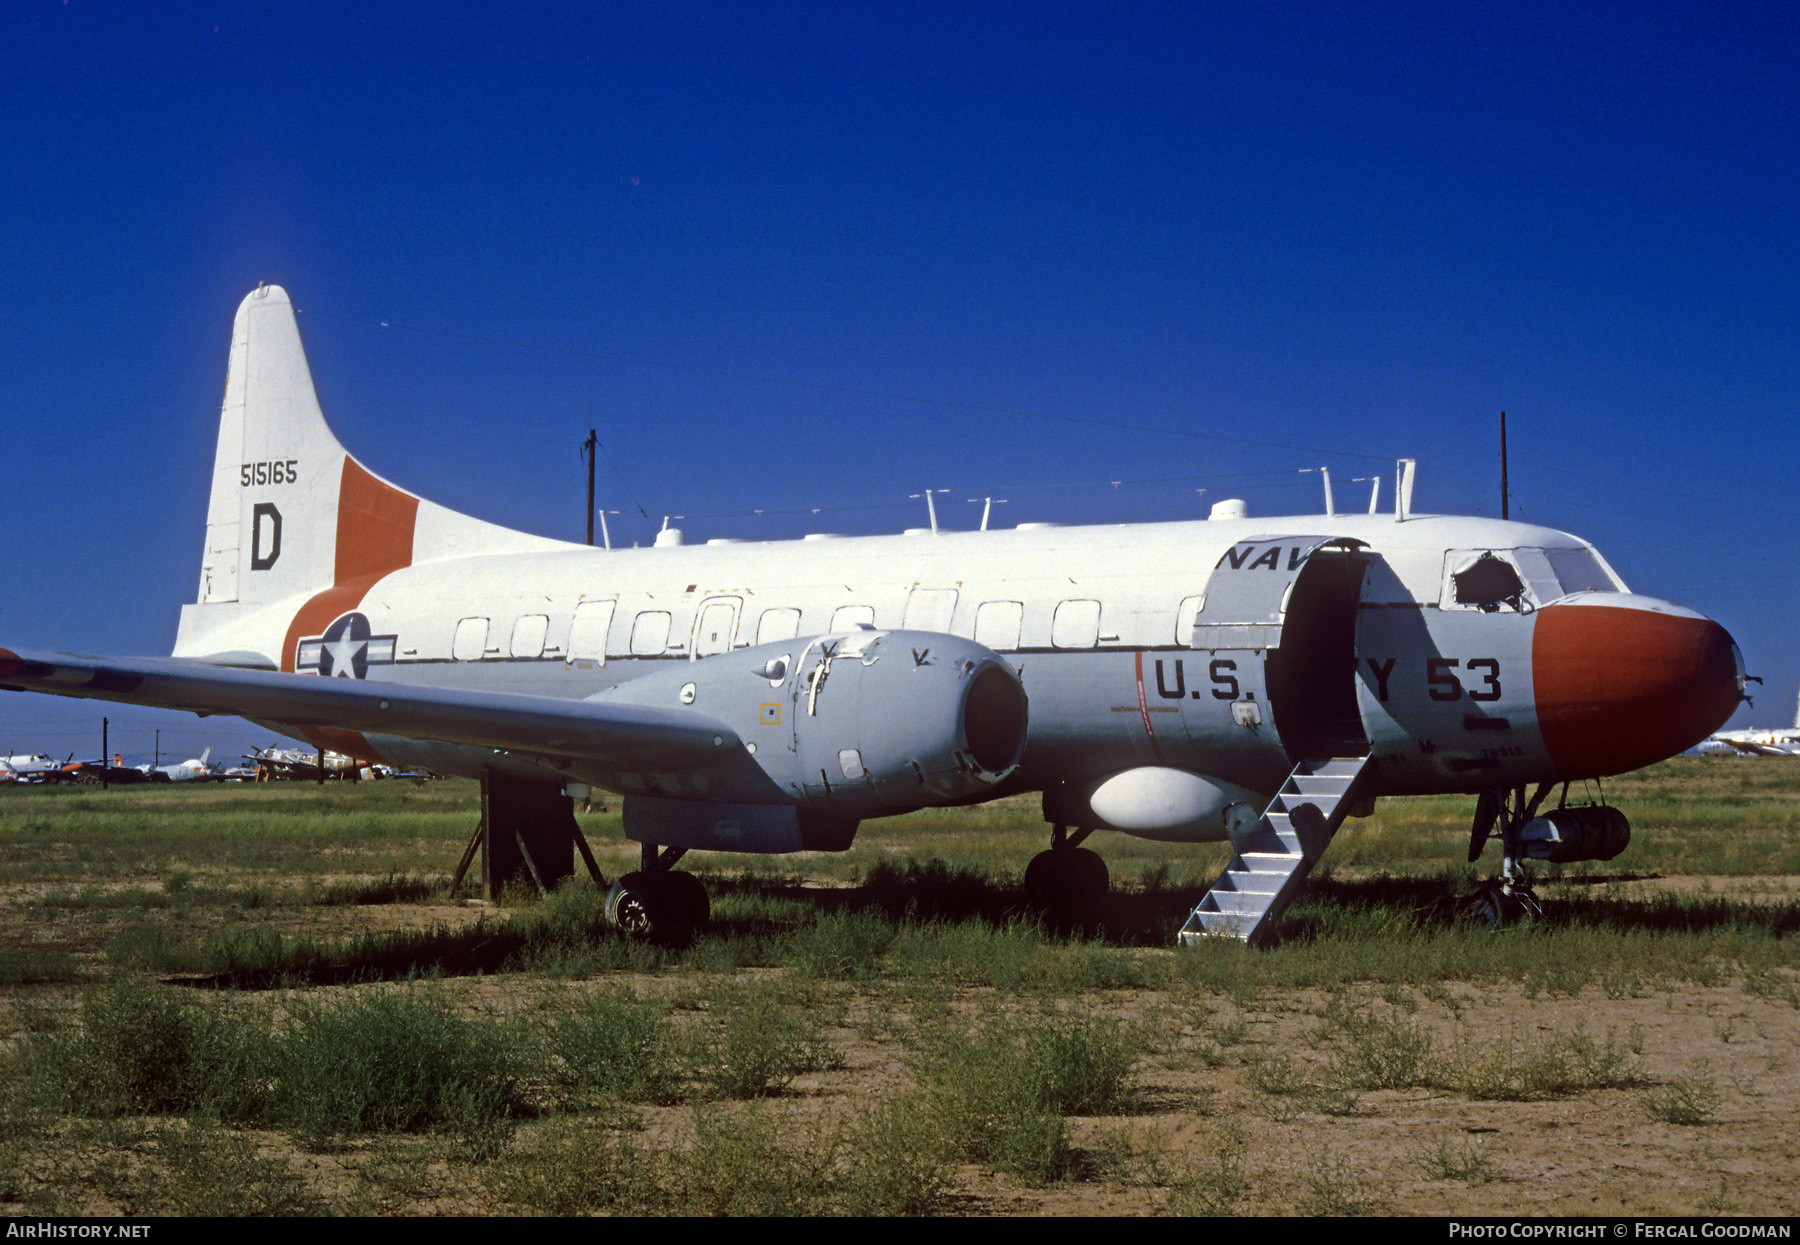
<point x="1124" y="657"/>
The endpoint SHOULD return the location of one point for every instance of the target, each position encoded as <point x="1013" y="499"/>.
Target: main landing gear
<point x="1067" y="882"/>
<point x="658" y="903"/>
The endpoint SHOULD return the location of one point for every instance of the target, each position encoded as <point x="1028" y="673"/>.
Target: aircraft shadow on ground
<point x="1145" y="915"/>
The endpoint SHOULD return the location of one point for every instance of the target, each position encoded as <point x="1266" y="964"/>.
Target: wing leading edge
<point x="545" y="730"/>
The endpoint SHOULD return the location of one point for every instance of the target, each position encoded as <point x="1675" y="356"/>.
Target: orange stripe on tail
<point x="375" y="525"/>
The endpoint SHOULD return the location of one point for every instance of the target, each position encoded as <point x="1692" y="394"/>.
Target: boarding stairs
<point x="1274" y="855"/>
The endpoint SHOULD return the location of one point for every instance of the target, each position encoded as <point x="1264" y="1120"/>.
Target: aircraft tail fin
<point x="277" y="462"/>
<point x="296" y="529"/>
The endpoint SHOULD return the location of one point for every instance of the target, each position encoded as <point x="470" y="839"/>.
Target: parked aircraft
<point x="1257" y="679"/>
<point x="101" y="772"/>
<point x="194" y="769"/>
<point x="30" y="767"/>
<point x="273" y="762"/>
<point x="1779" y="741"/>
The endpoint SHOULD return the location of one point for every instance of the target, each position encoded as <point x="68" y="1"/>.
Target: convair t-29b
<point x="1242" y="678"/>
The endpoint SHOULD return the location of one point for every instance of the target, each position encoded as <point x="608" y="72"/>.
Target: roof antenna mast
<point x="587" y="452"/>
<point x="1504" y="511"/>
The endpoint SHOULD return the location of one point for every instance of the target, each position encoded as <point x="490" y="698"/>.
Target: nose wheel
<point x="1501" y="904"/>
<point x="1509" y="898"/>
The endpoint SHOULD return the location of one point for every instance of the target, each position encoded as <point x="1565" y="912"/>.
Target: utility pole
<point x="587" y="452"/>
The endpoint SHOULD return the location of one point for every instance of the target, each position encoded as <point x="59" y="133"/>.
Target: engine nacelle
<point x="1564" y="835"/>
<point x="855" y="724"/>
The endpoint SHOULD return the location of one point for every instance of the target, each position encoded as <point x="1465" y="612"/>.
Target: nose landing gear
<point x="1564" y="834"/>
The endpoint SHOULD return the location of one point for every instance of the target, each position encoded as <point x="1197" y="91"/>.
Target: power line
<point x="822" y="387"/>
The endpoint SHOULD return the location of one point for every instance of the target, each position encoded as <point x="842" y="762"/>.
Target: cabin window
<point x="650" y="634"/>
<point x="470" y="640"/>
<point x="777" y="625"/>
<point x="849" y="617"/>
<point x="929" y="609"/>
<point x="528" y="635"/>
<point x="587" y="633"/>
<point x="997" y="624"/>
<point x="1076" y="624"/>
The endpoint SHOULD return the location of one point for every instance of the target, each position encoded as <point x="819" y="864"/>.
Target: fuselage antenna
<point x="1505" y="511"/>
<point x="930" y="505"/>
<point x="987" y="507"/>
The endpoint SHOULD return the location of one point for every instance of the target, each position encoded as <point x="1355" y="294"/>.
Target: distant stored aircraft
<point x="194" y="769"/>
<point x="1252" y="678"/>
<point x="273" y="762"/>
<point x="30" y="767"/>
<point x="1783" y="741"/>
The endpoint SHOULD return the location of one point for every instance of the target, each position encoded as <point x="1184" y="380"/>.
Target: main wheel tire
<point x="1093" y="871"/>
<point x="635" y="906"/>
<point x="1044" y="883"/>
<point x="1066" y="882"/>
<point x="687" y="898"/>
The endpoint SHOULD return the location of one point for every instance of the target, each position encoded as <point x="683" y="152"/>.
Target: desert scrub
<point x="617" y="1045"/>
<point x="1001" y="1091"/>
<point x="400" y="1061"/>
<point x="1688" y="1100"/>
<point x="752" y="1042"/>
<point x="143" y="1049"/>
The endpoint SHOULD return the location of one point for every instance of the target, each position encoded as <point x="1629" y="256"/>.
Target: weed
<point x="755" y="1044"/>
<point x="1689" y="1100"/>
<point x="1564" y="1063"/>
<point x="900" y="1159"/>
<point x="1335" y="1187"/>
<point x="1470" y="1162"/>
<point x="742" y="1164"/>
<point x="213" y="1173"/>
<point x="570" y="1167"/>
<point x="399" y="1062"/>
<point x="1082" y="1063"/>
<point x="617" y="1045"/>
<point x="1390" y="1054"/>
<point x="1001" y="1095"/>
<point x="144" y="1049"/>
<point x="842" y="946"/>
<point x="20" y="966"/>
<point x="1230" y="1032"/>
<point x="1213" y="1184"/>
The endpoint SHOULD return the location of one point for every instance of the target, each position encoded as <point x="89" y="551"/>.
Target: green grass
<point x="1007" y="1050"/>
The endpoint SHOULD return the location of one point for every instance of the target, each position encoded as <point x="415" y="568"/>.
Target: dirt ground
<point x="1592" y="1152"/>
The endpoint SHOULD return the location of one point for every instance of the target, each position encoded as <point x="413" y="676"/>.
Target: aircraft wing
<point x="619" y="736"/>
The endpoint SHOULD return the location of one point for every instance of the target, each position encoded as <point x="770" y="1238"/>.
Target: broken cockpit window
<point x="1486" y="582"/>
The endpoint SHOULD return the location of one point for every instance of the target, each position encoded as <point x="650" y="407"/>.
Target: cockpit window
<point x="1489" y="580"/>
<point x="1486" y="582"/>
<point x="1580" y="570"/>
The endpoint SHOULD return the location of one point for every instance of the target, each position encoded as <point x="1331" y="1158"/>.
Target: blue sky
<point x="801" y="256"/>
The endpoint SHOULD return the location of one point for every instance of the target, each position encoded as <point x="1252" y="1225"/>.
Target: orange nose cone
<point x="1621" y="687"/>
